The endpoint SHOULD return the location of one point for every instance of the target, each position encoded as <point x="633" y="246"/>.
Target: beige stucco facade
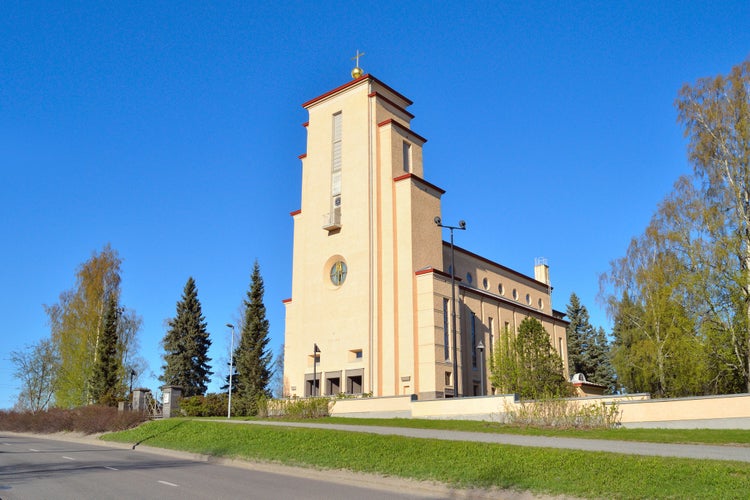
<point x="371" y="272"/>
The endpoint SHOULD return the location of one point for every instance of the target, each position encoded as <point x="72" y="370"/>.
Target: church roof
<point x="367" y="77"/>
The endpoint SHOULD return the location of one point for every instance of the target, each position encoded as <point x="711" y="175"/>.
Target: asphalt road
<point x="42" y="468"/>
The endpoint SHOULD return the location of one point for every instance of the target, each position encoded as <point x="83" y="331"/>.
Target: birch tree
<point x="36" y="368"/>
<point x="715" y="113"/>
<point x="76" y="323"/>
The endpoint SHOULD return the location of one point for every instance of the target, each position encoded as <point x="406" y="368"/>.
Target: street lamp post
<point x="461" y="226"/>
<point x="130" y="403"/>
<point x="480" y="347"/>
<point x="231" y="371"/>
<point x="315" y="369"/>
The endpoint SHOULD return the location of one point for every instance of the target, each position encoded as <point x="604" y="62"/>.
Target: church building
<point x="371" y="310"/>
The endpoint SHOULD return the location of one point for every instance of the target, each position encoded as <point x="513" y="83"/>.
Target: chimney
<point x="541" y="270"/>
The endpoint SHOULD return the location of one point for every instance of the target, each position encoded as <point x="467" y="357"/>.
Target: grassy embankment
<point x="734" y="437"/>
<point x="461" y="464"/>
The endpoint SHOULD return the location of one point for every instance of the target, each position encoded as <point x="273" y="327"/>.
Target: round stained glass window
<point x="338" y="273"/>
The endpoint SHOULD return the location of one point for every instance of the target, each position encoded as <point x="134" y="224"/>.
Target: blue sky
<point x="171" y="131"/>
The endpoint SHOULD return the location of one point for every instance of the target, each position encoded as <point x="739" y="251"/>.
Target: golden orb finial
<point x="357" y="71"/>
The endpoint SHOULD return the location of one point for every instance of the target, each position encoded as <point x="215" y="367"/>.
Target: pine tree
<point x="253" y="358"/>
<point x="106" y="381"/>
<point x="186" y="346"/>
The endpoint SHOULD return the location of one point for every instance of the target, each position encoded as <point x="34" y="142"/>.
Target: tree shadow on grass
<point x="162" y="433"/>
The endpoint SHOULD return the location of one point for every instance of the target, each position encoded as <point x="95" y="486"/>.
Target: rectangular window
<point x="446" y="337"/>
<point x="407" y="157"/>
<point x="473" y="340"/>
<point x="336" y="157"/>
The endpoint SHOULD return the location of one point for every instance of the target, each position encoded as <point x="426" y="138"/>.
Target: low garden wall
<point x="388" y="407"/>
<point x="730" y="411"/>
<point x="636" y="410"/>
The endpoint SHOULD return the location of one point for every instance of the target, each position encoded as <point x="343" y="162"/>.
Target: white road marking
<point x="167" y="483"/>
<point x="68" y="458"/>
<point x="32" y="449"/>
<point x="110" y="468"/>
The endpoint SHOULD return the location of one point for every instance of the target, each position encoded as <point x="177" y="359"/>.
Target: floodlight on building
<point x="461" y="226"/>
<point x="316" y="350"/>
<point x="480" y="347"/>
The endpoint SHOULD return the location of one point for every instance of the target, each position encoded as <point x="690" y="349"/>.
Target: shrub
<point x="563" y="414"/>
<point x="85" y="419"/>
<point x="210" y="405"/>
<point x="295" y="408"/>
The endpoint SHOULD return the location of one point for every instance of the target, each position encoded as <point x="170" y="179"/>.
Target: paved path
<point x="700" y="451"/>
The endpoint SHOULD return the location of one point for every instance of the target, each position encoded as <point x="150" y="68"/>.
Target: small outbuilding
<point x="584" y="388"/>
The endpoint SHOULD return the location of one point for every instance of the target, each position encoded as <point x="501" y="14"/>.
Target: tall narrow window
<point x="445" y="330"/>
<point x="473" y="340"/>
<point x="336" y="161"/>
<point x="492" y="337"/>
<point x="407" y="157"/>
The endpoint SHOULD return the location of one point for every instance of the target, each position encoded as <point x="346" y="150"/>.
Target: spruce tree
<point x="253" y="358"/>
<point x="106" y="382"/>
<point x="580" y="336"/>
<point x="588" y="349"/>
<point x="186" y="346"/>
<point x="603" y="373"/>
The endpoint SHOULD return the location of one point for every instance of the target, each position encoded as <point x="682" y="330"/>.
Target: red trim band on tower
<point x="419" y="180"/>
<point x="391" y="121"/>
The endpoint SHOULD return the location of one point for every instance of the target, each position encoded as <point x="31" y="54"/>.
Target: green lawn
<point x="703" y="436"/>
<point x="731" y="437"/>
<point x="461" y="464"/>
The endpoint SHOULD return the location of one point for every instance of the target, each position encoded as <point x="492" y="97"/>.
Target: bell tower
<point x="364" y="228"/>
